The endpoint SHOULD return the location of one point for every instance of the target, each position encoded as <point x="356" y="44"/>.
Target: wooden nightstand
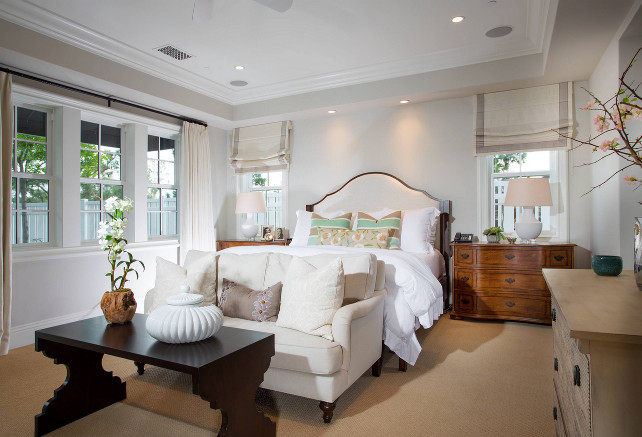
<point x="224" y="244"/>
<point x="504" y="281"/>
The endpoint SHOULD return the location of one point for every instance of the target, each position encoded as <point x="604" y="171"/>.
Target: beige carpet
<point x="473" y="378"/>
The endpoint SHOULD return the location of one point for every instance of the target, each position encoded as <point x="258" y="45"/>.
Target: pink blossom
<point x="589" y="105"/>
<point x="609" y="144"/>
<point x="631" y="180"/>
<point x="600" y="123"/>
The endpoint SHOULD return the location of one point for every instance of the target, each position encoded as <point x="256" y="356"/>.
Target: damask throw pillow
<point x="319" y="223"/>
<point x="392" y="222"/>
<point x="374" y="238"/>
<point x="311" y="296"/>
<point x="244" y="303"/>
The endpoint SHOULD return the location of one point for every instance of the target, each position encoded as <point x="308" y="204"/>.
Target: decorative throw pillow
<point x="244" y="303"/>
<point x="419" y="229"/>
<point x="311" y="296"/>
<point x="391" y="221"/>
<point x="302" y="228"/>
<point x="200" y="275"/>
<point x="375" y="238"/>
<point x="319" y="223"/>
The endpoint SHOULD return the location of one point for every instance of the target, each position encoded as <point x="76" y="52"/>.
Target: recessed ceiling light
<point x="404" y="101"/>
<point x="240" y="67"/>
<point x="238" y="83"/>
<point x="500" y="31"/>
<point x="332" y="111"/>
<point x="458" y="19"/>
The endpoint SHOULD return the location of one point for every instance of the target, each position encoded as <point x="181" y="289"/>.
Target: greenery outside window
<point x="31" y="180"/>
<point x="162" y="190"/>
<point x="100" y="174"/>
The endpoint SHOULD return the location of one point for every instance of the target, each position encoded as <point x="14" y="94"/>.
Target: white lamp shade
<point x="250" y="202"/>
<point x="528" y="192"/>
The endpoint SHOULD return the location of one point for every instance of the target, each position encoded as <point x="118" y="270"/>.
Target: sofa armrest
<point x="371" y="310"/>
<point x="149" y="300"/>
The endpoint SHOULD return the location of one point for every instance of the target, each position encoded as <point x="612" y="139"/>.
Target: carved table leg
<point x="87" y="389"/>
<point x="230" y="385"/>
<point x="140" y="367"/>
<point x="328" y="410"/>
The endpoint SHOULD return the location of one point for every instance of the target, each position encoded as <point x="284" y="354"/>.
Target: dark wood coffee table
<point x="226" y="370"/>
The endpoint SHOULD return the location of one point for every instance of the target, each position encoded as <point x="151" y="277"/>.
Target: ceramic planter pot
<point x="492" y="238"/>
<point x="118" y="306"/>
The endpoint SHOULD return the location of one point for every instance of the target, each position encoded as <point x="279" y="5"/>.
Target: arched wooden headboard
<point x="375" y="190"/>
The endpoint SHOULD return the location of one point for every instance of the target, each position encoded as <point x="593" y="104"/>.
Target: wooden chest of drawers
<point x="224" y="244"/>
<point x="502" y="281"/>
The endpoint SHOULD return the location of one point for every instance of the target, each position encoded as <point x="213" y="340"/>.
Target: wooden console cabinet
<point x="224" y="244"/>
<point x="504" y="281"/>
<point x="597" y="349"/>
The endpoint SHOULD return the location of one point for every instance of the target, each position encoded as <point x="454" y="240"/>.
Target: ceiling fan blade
<point x="277" y="5"/>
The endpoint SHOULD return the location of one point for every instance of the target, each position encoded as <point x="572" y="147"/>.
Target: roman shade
<point x="261" y="148"/>
<point x="526" y="119"/>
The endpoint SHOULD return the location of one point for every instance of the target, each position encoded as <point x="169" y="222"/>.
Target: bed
<point x="417" y="282"/>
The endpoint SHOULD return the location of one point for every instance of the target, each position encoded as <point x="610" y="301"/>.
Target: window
<point x="545" y="164"/>
<point x="162" y="190"/>
<point x="30" y="183"/>
<point x="100" y="174"/>
<point x="273" y="186"/>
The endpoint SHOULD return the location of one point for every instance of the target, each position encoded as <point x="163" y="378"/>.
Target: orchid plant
<point x="111" y="239"/>
<point x="611" y="122"/>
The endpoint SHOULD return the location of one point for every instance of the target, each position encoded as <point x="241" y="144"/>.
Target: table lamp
<point x="250" y="203"/>
<point x="528" y="193"/>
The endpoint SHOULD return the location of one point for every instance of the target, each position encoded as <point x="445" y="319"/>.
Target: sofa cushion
<point x="247" y="269"/>
<point x="360" y="271"/>
<point x="242" y="302"/>
<point x="295" y="350"/>
<point x="311" y="296"/>
<point x="200" y="275"/>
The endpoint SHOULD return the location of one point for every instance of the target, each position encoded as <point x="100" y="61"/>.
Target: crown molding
<point x="35" y="18"/>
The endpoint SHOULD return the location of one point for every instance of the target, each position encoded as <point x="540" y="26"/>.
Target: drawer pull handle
<point x="509" y="256"/>
<point x="554" y="314"/>
<point x="555" y="364"/>
<point x="510" y="280"/>
<point x="559" y="257"/>
<point x="555" y="413"/>
<point x="576" y="375"/>
<point x="465" y="255"/>
<point x="464" y="278"/>
<point x="510" y="304"/>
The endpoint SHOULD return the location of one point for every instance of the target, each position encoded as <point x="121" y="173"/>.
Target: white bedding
<point x="414" y="295"/>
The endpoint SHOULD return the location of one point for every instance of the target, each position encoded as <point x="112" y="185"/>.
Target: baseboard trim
<point x="23" y="335"/>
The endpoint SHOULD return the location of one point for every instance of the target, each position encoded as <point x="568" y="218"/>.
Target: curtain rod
<point x="109" y="99"/>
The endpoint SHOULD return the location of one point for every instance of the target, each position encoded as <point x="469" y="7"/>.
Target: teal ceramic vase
<point x="606" y="265"/>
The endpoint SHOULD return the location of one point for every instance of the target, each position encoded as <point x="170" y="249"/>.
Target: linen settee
<point x="305" y="365"/>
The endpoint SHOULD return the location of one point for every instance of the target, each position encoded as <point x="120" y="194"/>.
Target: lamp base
<point x="249" y="229"/>
<point x="528" y="227"/>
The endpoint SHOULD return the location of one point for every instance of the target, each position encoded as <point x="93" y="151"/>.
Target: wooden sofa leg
<point x="403" y="366"/>
<point x="376" y="367"/>
<point x="328" y="410"/>
<point x="140" y="366"/>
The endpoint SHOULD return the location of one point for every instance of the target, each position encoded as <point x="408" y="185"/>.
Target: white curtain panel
<point x="6" y="133"/>
<point x="196" y="191"/>
<point x="524" y="119"/>
<point x="261" y="148"/>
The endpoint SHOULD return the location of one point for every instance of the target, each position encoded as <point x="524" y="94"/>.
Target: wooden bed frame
<point x="375" y="190"/>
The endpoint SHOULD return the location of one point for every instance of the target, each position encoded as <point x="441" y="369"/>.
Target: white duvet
<point x="414" y="295"/>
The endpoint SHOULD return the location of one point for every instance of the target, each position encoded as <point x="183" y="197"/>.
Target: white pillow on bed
<point x="303" y="223"/>
<point x="418" y="228"/>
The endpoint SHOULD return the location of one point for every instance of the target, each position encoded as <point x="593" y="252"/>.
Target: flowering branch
<point x="613" y="116"/>
<point x="111" y="239"/>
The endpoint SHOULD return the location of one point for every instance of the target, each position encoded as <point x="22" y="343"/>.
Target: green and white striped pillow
<point x="392" y="221"/>
<point x="319" y="223"/>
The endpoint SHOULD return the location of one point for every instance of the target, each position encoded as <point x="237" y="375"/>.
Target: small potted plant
<point x="494" y="234"/>
<point x="118" y="304"/>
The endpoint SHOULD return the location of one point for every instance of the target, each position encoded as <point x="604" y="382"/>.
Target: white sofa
<point x="308" y="365"/>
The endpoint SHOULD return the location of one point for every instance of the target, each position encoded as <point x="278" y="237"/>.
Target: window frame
<point x="558" y="179"/>
<point x="243" y="185"/>
<point x="177" y="143"/>
<point x="99" y="180"/>
<point x="48" y="175"/>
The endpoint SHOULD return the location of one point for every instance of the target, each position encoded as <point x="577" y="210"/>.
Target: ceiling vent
<point x="173" y="52"/>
